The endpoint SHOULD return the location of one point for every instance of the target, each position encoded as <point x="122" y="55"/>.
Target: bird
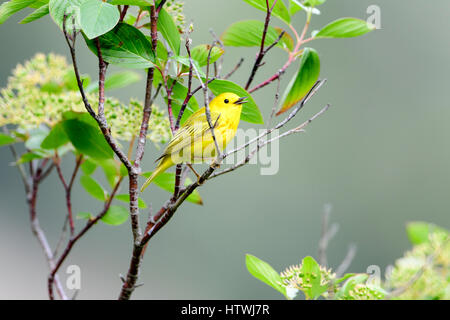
<point x="194" y="142"/>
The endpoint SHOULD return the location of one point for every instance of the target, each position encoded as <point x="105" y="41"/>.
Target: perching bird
<point x="194" y="143"/>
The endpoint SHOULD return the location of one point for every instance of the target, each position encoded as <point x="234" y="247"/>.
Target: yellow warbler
<point x="193" y="142"/>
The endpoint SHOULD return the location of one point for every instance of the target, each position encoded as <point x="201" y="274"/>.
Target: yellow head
<point x="228" y="100"/>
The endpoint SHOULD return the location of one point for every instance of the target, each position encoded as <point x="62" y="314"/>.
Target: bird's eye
<point x="226" y="101"/>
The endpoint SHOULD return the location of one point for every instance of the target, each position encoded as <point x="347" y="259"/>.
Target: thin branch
<point x="168" y="210"/>
<point x="292" y="55"/>
<point x="37" y="230"/>
<point x="23" y="174"/>
<point x="123" y="13"/>
<point x="71" y="40"/>
<point x="326" y="235"/>
<point x="345" y="264"/>
<point x="294" y="112"/>
<point x="206" y="99"/>
<point x="129" y="284"/>
<point x="261" y="143"/>
<point x="74" y="239"/>
<point x="217" y="66"/>
<point x="100" y="121"/>
<point x="262" y="52"/>
<point x="189" y="88"/>
<point x="68" y="187"/>
<point x="275" y="103"/>
<point x="236" y="67"/>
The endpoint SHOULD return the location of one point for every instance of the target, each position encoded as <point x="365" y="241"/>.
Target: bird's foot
<point x="196" y="174"/>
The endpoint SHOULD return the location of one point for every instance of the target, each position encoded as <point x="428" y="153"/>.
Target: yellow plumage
<point x="193" y="142"/>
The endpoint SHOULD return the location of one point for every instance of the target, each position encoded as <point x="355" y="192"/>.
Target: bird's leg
<point x="195" y="172"/>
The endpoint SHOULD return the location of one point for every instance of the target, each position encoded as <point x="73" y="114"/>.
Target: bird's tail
<point x="163" y="165"/>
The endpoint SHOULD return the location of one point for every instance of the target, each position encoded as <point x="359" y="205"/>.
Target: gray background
<point x="380" y="156"/>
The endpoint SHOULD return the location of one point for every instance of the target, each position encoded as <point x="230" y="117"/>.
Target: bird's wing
<point x="195" y="127"/>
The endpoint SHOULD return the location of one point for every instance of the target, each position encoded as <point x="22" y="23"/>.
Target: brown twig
<point x="36" y="178"/>
<point x="77" y="237"/>
<point x="68" y="186"/>
<point x="101" y="121"/>
<point x="123" y="13"/>
<point x="218" y="66"/>
<point x="204" y="86"/>
<point x="282" y="123"/>
<point x="345" y="264"/>
<point x="326" y="235"/>
<point x="262" y="52"/>
<point x="236" y="67"/>
<point x="292" y="55"/>
<point x="168" y="210"/>
<point x="129" y="283"/>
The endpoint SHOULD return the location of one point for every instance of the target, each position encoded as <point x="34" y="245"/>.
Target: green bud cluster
<point x="43" y="88"/>
<point x="431" y="261"/>
<point x="294" y="277"/>
<point x="175" y="9"/>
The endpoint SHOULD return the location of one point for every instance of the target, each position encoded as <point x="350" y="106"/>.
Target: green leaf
<point x="169" y="31"/>
<point x="126" y="198"/>
<point x="306" y="77"/>
<point x="85" y="215"/>
<point x="56" y="138"/>
<point x="116" y="81"/>
<point x="116" y="215"/>
<point x="111" y="170"/>
<point x="98" y="17"/>
<point x="161" y="51"/>
<point x="248" y="33"/>
<point x="419" y="232"/>
<point x="184" y="60"/>
<point x="345" y="28"/>
<point x="280" y="11"/>
<point x="307" y="6"/>
<point x="179" y="93"/>
<point x="350" y="285"/>
<point x="82" y="116"/>
<point x="70" y="80"/>
<point x="166" y="181"/>
<point x="70" y="8"/>
<point x="314" y="3"/>
<point x="262" y="271"/>
<point x="312" y="276"/>
<point x="36" y="15"/>
<point x="93" y="188"/>
<point x="250" y="111"/>
<point x="125" y="46"/>
<point x="88" y="166"/>
<point x="123" y="170"/>
<point x="38" y="3"/>
<point x="87" y="139"/>
<point x="5" y="139"/>
<point x="200" y="54"/>
<point x="140" y="3"/>
<point x="343" y="278"/>
<point x="7" y="9"/>
<point x="29" y="156"/>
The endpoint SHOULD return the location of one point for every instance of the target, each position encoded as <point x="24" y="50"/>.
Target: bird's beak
<point x="241" y="100"/>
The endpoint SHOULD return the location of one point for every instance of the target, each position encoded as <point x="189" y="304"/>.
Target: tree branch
<point x="129" y="283"/>
<point x="262" y="52"/>
<point x="236" y="67"/>
<point x="74" y="239"/>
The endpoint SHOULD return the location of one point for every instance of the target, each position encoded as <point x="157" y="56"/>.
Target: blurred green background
<point x="380" y="157"/>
